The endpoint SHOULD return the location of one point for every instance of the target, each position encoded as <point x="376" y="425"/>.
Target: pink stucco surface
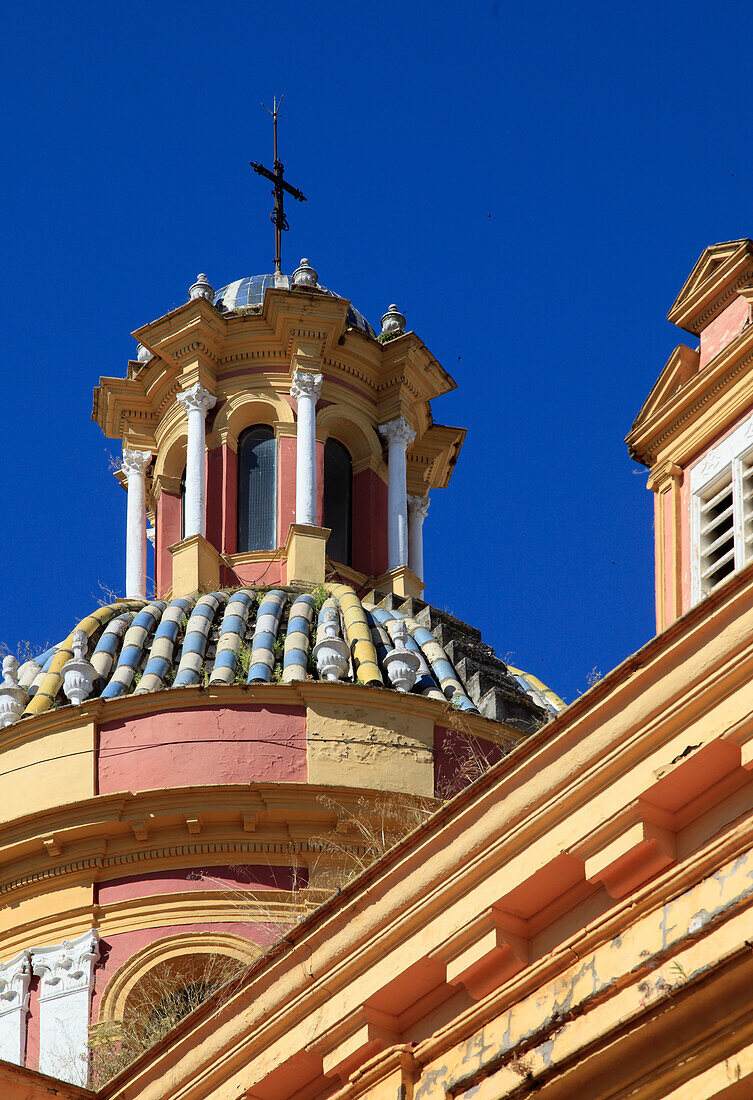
<point x="203" y="746"/>
<point x="723" y="329"/>
<point x="256" y="877"/>
<point x="459" y="759"/>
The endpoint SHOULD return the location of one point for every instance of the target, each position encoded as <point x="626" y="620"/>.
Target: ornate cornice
<point x="689" y="412"/>
<point x="196" y="345"/>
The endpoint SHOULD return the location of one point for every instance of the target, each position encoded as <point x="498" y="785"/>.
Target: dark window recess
<point x="257" y="490"/>
<point x="338" y="495"/>
<point x="182" y="506"/>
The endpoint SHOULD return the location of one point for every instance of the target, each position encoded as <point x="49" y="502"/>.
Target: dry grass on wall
<point x="359" y="836"/>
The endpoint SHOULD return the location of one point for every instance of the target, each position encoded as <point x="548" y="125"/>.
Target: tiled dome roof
<point x="249" y="292"/>
<point x="256" y="636"/>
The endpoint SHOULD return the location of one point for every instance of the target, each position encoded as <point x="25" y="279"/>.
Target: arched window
<point x="257" y="489"/>
<point x="338" y="494"/>
<point x="182" y="505"/>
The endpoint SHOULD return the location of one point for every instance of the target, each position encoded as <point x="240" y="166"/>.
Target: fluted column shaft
<point x="399" y="435"/>
<point x="417" y="509"/>
<point x="134" y="466"/>
<point x="305" y="390"/>
<point x="196" y="401"/>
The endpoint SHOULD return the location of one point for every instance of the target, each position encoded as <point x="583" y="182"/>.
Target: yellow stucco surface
<point x="54" y="768"/>
<point x="370" y="747"/>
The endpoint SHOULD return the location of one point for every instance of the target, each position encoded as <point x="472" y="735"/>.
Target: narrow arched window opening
<point x="257" y="489"/>
<point x="182" y="506"/>
<point x="338" y="494"/>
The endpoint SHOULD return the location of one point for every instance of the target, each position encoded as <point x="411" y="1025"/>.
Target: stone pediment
<point x="720" y="272"/>
<point x="681" y="366"/>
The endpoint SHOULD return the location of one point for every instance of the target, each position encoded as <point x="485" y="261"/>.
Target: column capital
<point x="306" y="384"/>
<point x="196" y="399"/>
<point x="397" y="431"/>
<point x="135" y="462"/>
<point x="418" y="506"/>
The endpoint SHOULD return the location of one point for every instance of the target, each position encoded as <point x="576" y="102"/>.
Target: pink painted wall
<point x="256" y="877"/>
<point x="369" y="553"/>
<point x="319" y="483"/>
<point x="230" y="502"/>
<point x="285" y="487"/>
<point x="203" y="746"/>
<point x="215" y="494"/>
<point x="459" y="758"/>
<point x="168" y="533"/>
<point x="723" y="329"/>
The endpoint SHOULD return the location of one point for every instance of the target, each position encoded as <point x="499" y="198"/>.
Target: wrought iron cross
<point x="277" y="217"/>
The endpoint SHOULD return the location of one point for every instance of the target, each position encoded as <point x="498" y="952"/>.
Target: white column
<point x="14" y="1002"/>
<point x="399" y="435"/>
<point x="67" y="979"/>
<point x="417" y="509"/>
<point x="134" y="466"/>
<point x="305" y="390"/>
<point x="196" y="402"/>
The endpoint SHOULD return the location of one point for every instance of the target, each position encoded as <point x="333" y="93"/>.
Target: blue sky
<point x="530" y="183"/>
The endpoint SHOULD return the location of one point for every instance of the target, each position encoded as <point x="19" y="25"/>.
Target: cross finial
<point x="277" y="216"/>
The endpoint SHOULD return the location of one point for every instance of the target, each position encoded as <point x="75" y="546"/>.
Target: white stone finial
<point x="393" y="322"/>
<point x="201" y="289"/>
<point x="330" y="653"/>
<point x="13" y="698"/>
<point x="304" y="274"/>
<point x="401" y="663"/>
<point x="143" y="355"/>
<point x="151" y="535"/>
<point x="78" y="674"/>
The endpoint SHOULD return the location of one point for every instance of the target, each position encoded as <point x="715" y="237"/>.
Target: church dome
<point x="249" y="292"/>
<point x="251" y="636"/>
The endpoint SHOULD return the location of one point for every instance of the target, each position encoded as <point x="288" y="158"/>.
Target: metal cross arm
<point x="277" y="180"/>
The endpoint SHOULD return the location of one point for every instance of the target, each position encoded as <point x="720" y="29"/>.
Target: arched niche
<point x="248" y="408"/>
<point x="354" y="431"/>
<point x="171" y="459"/>
<point x="189" y="957"/>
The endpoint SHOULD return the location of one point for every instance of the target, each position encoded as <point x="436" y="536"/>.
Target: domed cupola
<point x="272" y="437"/>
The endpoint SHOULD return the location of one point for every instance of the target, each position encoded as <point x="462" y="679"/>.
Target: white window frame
<point x="731" y="453"/>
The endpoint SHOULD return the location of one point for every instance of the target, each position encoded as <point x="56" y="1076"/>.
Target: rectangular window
<point x="717" y="541"/>
<point x="721" y="487"/>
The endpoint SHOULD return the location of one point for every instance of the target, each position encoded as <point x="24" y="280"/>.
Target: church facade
<point x="195" y="776"/>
